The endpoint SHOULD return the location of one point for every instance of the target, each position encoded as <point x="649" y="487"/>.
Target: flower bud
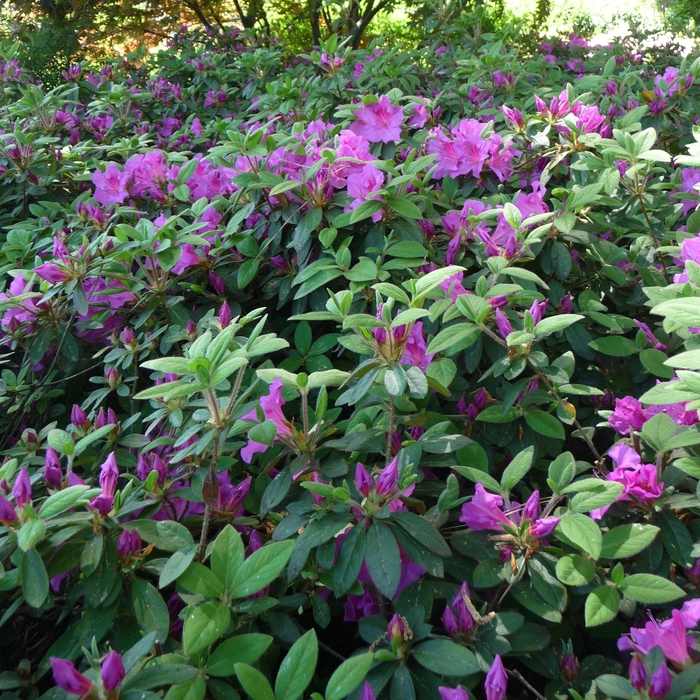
<point x="637" y="672"/>
<point x="112" y="672"/>
<point x="225" y="315"/>
<point x="396" y="630"/>
<point x="570" y="667"/>
<point x="114" y="379"/>
<point x="7" y="511"/>
<point x="22" y="490"/>
<point x="496" y="681"/>
<point x="660" y="682"/>
<point x="52" y="468"/>
<point x="68" y="677"/>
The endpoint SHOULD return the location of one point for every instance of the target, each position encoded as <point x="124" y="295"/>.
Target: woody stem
<point x="390" y="429"/>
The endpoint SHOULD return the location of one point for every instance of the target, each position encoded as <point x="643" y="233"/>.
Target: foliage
<point x="368" y="373"/>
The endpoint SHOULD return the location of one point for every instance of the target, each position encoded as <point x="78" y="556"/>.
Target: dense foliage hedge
<point x="372" y="374"/>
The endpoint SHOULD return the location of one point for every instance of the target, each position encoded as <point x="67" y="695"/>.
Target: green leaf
<point x="254" y="683"/>
<point x="655" y="362"/>
<point x="349" y="561"/>
<point x="446" y="658"/>
<point x="297" y="668"/>
<point x="421" y="530"/>
<point x="614" y="345"/>
<point x="35" y="581"/>
<point x="627" y="540"/>
<point x="574" y="570"/>
<point x="395" y="380"/>
<point x="417" y="383"/>
<point x="204" y="624"/>
<point x="442" y="370"/>
<point x="176" y="565"/>
<point x="478" y="477"/>
<point x="149" y="608"/>
<point x="264" y="432"/>
<point x="191" y="690"/>
<point x="684" y="360"/>
<point x="677" y="540"/>
<point x="685" y="311"/>
<point x="647" y="588"/>
<point x="260" y="569"/>
<point x="454" y="338"/>
<point x="383" y="559"/>
<point x="545" y="424"/>
<point x="602" y="605"/>
<point x="603" y="494"/>
<point x="227" y="556"/>
<point x="61" y="501"/>
<point x="657" y="431"/>
<point x="348" y="676"/>
<point x="555" y="323"/>
<point x="614" y="686"/>
<point x="244" y="648"/>
<point x="408" y="210"/>
<point x="582" y="532"/>
<point x="166" y="535"/>
<point x="516" y="470"/>
<point x="30" y="534"/>
<point x="197" y="578"/>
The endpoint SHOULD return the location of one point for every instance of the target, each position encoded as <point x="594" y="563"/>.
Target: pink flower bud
<point x="52" y="468"/>
<point x="496" y="680"/>
<point x="7" y="511"/>
<point x="225" y="315"/>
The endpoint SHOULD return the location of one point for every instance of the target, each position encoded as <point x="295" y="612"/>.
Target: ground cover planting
<point x="357" y="373"/>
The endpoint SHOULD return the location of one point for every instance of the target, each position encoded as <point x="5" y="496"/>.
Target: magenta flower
<point x="272" y="410"/>
<point x="628" y="415"/>
<point x="225" y="315"/>
<point x="660" y="682"/>
<point x="640" y="480"/>
<point x="396" y="630"/>
<point x="68" y="677"/>
<point x="22" y="490"/>
<point x="496" y="681"/>
<point x="415" y="349"/>
<point x="419" y="116"/>
<point x="358" y="606"/>
<point x="112" y="671"/>
<point x="484" y="512"/>
<point x="51" y="273"/>
<point x="379" y="122"/>
<point x="671" y="635"/>
<point x="364" y="185"/>
<point x="388" y="477"/>
<point x="363" y="480"/>
<point x="637" y="672"/>
<point x="110" y="185"/>
<point x="109" y="474"/>
<point x="457" y="693"/>
<point x="456" y="618"/>
<point x="129" y="543"/>
<point x="367" y="693"/>
<point x="52" y="468"/>
<point x="8" y="514"/>
<point x="503" y="324"/>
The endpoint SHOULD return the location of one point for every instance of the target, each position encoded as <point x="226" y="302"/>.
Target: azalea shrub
<point x="364" y="374"/>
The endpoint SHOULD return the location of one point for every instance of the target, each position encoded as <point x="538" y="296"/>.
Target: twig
<point x="390" y="429"/>
<point x="519" y="676"/>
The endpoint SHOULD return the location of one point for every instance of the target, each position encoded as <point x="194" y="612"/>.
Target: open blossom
<point x="671" y="635"/>
<point x="110" y="185"/>
<point x="379" y="122"/>
<point x="272" y="410"/>
<point x="364" y="185"/>
<point x="628" y="415"/>
<point x="640" y="481"/>
<point x="415" y="348"/>
<point x="485" y="512"/>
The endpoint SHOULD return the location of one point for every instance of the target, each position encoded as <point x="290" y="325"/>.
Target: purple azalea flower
<point x="628" y="415"/>
<point x="68" y="677"/>
<point x="484" y="512"/>
<point x="503" y="324"/>
<point x="415" y="348"/>
<point x="112" y="671"/>
<point x="496" y="681"/>
<point x="8" y="514"/>
<point x="379" y="122"/>
<point x="660" y="682"/>
<point x="272" y="410"/>
<point x="457" y="693"/>
<point x="52" y="468"/>
<point x="367" y="693"/>
<point x="22" y="490"/>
